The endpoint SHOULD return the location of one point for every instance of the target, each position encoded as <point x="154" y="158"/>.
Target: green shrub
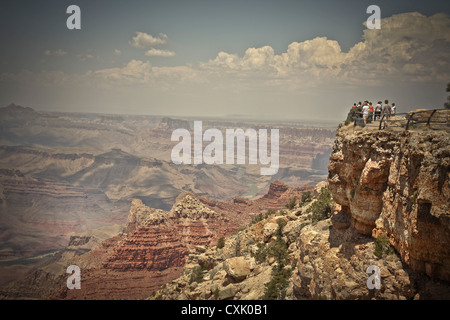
<point x="261" y="253"/>
<point x="276" y="287"/>
<point x="291" y="204"/>
<point x="321" y="209"/>
<point x="269" y="213"/>
<point x="306" y="197"/>
<point x="383" y="246"/>
<point x="197" y="275"/>
<point x="220" y="243"/>
<point x="257" y="218"/>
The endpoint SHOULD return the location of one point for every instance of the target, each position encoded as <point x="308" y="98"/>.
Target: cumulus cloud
<point x="117" y="52"/>
<point x="159" y="53"/>
<point x="409" y="46"/>
<point x="143" y="40"/>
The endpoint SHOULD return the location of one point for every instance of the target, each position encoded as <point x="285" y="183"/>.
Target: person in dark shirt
<point x="386" y="111"/>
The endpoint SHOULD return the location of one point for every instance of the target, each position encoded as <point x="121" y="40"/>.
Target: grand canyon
<point x="100" y="192"/>
<point x="67" y="174"/>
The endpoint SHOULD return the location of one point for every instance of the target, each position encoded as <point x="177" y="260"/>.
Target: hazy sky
<point x="261" y="59"/>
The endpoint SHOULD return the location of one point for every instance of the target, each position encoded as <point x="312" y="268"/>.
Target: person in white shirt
<point x="365" y="111"/>
<point x="393" y="109"/>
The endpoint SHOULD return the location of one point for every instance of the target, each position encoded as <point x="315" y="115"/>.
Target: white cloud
<point x="143" y="73"/>
<point x="135" y="70"/>
<point x="143" y="40"/>
<point x="159" y="53"/>
<point x="85" y="56"/>
<point x="409" y="46"/>
<point x="56" y="53"/>
<point x="117" y="52"/>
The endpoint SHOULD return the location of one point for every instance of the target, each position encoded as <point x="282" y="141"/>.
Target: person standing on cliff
<point x="359" y="109"/>
<point x="378" y="108"/>
<point x="387" y="111"/>
<point x="365" y="111"/>
<point x="371" y="111"/>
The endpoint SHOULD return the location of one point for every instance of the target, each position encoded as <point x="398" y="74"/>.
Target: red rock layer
<point x="134" y="265"/>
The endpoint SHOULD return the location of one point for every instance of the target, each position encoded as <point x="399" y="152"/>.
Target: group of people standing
<point x="368" y="111"/>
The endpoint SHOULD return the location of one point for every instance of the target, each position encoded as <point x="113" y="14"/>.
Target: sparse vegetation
<point x="353" y="113"/>
<point x="383" y="246"/>
<point x="261" y="253"/>
<point x="197" y="274"/>
<point x="281" y="271"/>
<point x="269" y="213"/>
<point x="306" y="197"/>
<point x="257" y="218"/>
<point x="216" y="293"/>
<point x="291" y="204"/>
<point x="321" y="208"/>
<point x="221" y="243"/>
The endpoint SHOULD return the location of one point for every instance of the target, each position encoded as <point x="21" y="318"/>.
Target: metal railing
<point x="437" y="119"/>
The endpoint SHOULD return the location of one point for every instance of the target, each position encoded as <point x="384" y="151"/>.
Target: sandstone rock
<point x="319" y="186"/>
<point x="253" y="288"/>
<point x="292" y="230"/>
<point x="192" y="208"/>
<point x="333" y="264"/>
<point x="237" y="268"/>
<point x="228" y="292"/>
<point x="269" y="230"/>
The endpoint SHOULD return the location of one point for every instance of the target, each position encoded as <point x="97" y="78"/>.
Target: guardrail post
<point x="429" y="119"/>
<point x="381" y="121"/>
<point x="409" y="119"/>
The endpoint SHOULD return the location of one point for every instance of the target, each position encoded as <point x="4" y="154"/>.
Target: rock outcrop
<point x="325" y="259"/>
<point x="397" y="184"/>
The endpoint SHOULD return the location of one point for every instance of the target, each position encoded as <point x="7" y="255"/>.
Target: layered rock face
<point x="397" y="184"/>
<point x="38" y="215"/>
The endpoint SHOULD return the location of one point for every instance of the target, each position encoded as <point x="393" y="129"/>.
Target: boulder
<point x="237" y="268"/>
<point x="228" y="292"/>
<point x="268" y="230"/>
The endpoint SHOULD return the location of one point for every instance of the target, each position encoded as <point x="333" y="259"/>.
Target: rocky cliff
<point x="291" y="254"/>
<point x="397" y="184"/>
<point x="385" y="206"/>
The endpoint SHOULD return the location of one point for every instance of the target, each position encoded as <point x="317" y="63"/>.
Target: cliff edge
<point x="397" y="184"/>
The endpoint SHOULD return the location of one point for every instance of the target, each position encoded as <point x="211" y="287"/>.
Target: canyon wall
<point x="150" y="251"/>
<point x="397" y="184"/>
